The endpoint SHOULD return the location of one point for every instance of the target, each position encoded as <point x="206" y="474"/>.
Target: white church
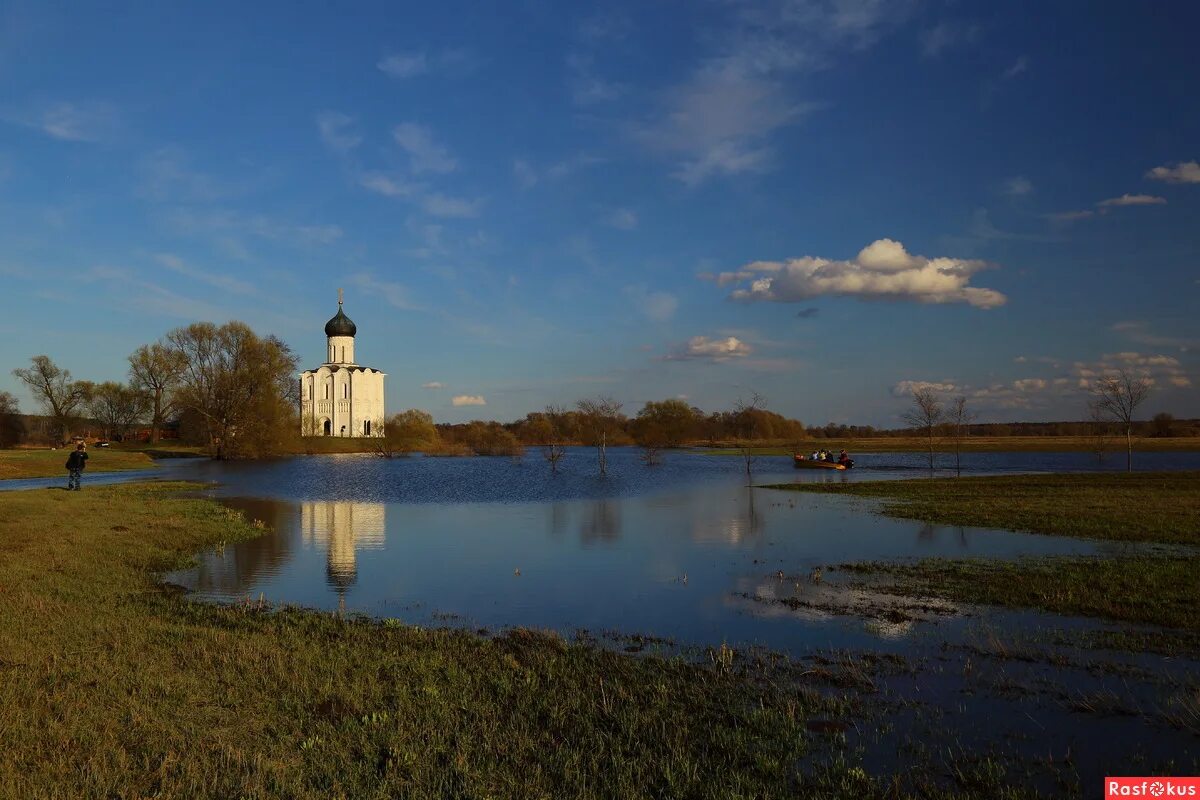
<point x="341" y="397"/>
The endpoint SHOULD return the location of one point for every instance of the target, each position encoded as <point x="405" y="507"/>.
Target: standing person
<point x="75" y="464"/>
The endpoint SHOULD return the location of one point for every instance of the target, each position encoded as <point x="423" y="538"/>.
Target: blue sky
<point x="824" y="202"/>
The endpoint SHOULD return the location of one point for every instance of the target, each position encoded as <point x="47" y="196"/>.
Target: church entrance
<point x="328" y="428"/>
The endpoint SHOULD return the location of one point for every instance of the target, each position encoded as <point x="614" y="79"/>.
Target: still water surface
<point x="683" y="550"/>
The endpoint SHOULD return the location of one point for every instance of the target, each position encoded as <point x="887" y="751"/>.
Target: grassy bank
<point x="1140" y="587"/>
<point x="111" y="685"/>
<point x="49" y="463"/>
<point x="1142" y="506"/>
<point x="1150" y="590"/>
<point x="1114" y="450"/>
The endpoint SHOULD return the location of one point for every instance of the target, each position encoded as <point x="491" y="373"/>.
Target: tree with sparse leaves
<point x="959" y="419"/>
<point x="600" y="421"/>
<point x="925" y="416"/>
<point x="156" y="370"/>
<point x="56" y="391"/>
<point x="11" y="426"/>
<point x="117" y="406"/>
<point x="1118" y="396"/>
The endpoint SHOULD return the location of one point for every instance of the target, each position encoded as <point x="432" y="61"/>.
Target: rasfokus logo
<point x="1151" y="787"/>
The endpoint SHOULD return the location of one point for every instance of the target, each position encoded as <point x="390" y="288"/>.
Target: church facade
<point x="341" y="397"/>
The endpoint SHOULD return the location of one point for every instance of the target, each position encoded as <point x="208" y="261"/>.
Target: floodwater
<point x="683" y="550"/>
<point x="688" y="555"/>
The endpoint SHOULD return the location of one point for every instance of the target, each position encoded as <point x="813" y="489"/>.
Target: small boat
<point x="804" y="462"/>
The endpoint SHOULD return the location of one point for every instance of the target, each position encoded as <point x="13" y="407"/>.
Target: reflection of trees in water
<point x="928" y="534"/>
<point x="559" y="517"/>
<point x="244" y="563"/>
<point x="601" y="522"/>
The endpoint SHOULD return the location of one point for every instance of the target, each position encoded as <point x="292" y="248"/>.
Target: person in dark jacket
<point x="75" y="464"/>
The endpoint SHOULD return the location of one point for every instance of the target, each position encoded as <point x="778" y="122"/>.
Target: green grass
<point x="112" y="685"/>
<point x="49" y="463"/>
<point x="1142" y="506"/>
<point x="1151" y="590"/>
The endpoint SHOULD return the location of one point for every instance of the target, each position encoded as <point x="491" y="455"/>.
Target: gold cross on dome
<point x="339" y="296"/>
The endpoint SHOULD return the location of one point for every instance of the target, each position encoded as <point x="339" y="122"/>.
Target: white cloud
<point x="1139" y="331"/>
<point x="586" y="87"/>
<point x="424" y="153"/>
<point x="907" y="388"/>
<point x="217" y="280"/>
<point x="165" y="174"/>
<point x="433" y="385"/>
<point x="440" y="205"/>
<point x="702" y="348"/>
<point x="524" y="173"/>
<point x="1132" y="200"/>
<point x="623" y="219"/>
<point x="882" y="270"/>
<point x="1018" y="186"/>
<point x="468" y="400"/>
<point x="656" y="306"/>
<point x="404" y="65"/>
<point x="1155" y="367"/>
<point x="336" y="130"/>
<point x="1183" y="172"/>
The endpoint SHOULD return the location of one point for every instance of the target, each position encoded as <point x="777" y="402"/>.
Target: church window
<point x="366" y="427"/>
<point x="327" y="391"/>
<point x="345" y="391"/>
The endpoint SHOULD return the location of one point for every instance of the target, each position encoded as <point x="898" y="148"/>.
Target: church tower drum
<point x="341" y="397"/>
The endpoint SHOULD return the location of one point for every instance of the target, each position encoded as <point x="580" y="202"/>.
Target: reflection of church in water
<point x="343" y="528"/>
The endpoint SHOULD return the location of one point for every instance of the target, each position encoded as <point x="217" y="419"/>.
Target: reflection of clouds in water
<point x="728" y="525"/>
<point x="343" y="528"/>
<point x="887" y="616"/>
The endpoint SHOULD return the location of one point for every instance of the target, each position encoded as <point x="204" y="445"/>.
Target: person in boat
<point x="829" y="456"/>
<point x="844" y="457"/>
<point x="815" y="456"/>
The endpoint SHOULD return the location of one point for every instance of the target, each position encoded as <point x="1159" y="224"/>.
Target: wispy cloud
<point x="167" y="174"/>
<point x="622" y="219"/>
<point x="388" y="186"/>
<point x="1018" y="186"/>
<point x="440" y="205"/>
<point x="947" y="35"/>
<point x="337" y="131"/>
<point x="468" y="400"/>
<point x="883" y="270"/>
<point x="425" y="154"/>
<point x="71" y="122"/>
<point x="225" y="283"/>
<point x="1183" y="172"/>
<point x="394" y="294"/>
<point x="1018" y="67"/>
<point x="224" y="221"/>
<point x="586" y="87"/>
<point x="1132" y="200"/>
<point x="655" y="306"/>
<point x="416" y="63"/>
<point x="433" y="385"/>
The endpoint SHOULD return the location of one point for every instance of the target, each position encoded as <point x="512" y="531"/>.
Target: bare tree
<point x="1100" y="425"/>
<point x="925" y="416"/>
<point x="157" y="369"/>
<point x="1117" y="397"/>
<point x="959" y="418"/>
<point x="53" y="388"/>
<point x="746" y="412"/>
<point x="117" y="407"/>
<point x="548" y="431"/>
<point x="600" y="417"/>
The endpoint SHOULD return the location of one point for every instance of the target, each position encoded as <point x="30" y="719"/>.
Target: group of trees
<point x="236" y="389"/>
<point x="1113" y="403"/>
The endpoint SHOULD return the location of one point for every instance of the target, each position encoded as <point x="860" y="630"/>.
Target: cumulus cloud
<point x="1156" y="367"/>
<point x="1183" y="172"/>
<point x="881" y="270"/>
<point x="425" y="154"/>
<point x="908" y="388"/>
<point x="433" y="385"/>
<point x="702" y="348"/>
<point x="337" y="131"/>
<point x="1132" y="200"/>
<point x="468" y="400"/>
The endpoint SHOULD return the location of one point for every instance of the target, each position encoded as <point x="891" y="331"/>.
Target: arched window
<point x="366" y="427"/>
<point x="346" y="391"/>
<point x="327" y="391"/>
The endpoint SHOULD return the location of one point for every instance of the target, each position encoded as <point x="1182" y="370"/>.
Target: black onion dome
<point x="341" y="325"/>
